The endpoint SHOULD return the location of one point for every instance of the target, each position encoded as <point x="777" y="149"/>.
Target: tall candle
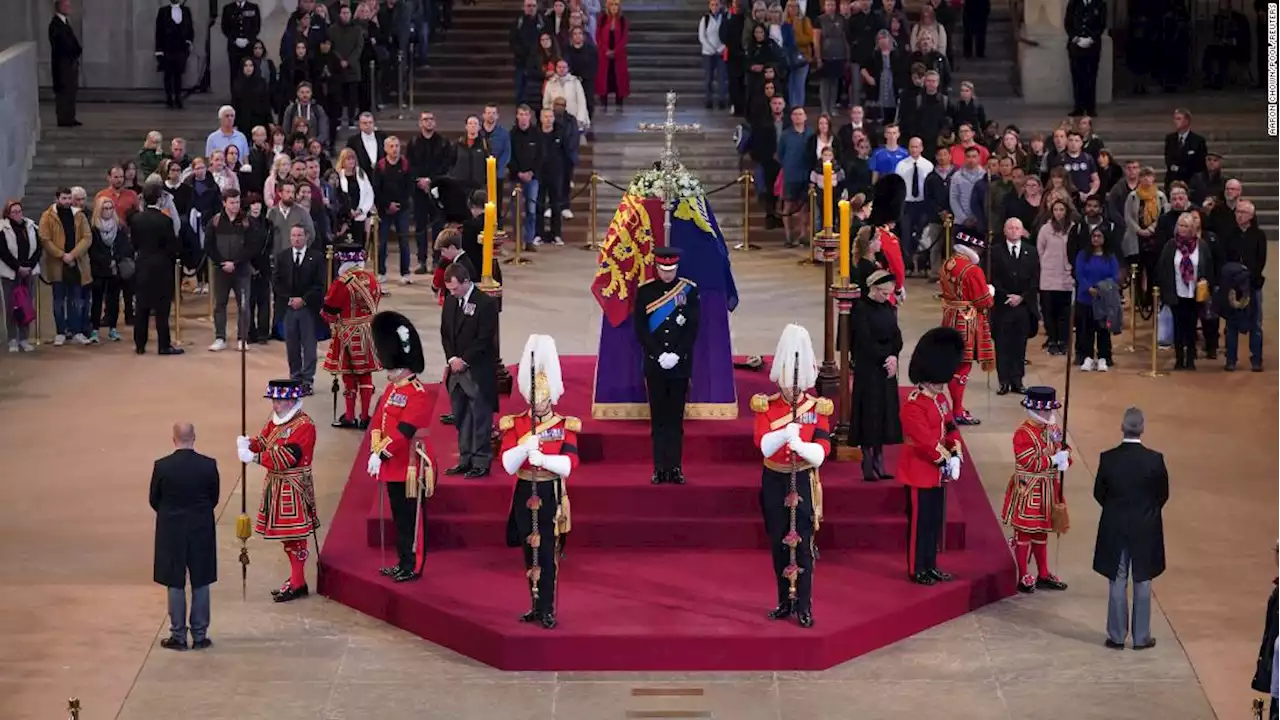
<point x="491" y="176"/>
<point x="490" y="227"/>
<point x="846" y="220"/>
<point x="827" y="192"/>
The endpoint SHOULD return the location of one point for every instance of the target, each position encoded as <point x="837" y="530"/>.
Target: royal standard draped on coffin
<point x="626" y="262"/>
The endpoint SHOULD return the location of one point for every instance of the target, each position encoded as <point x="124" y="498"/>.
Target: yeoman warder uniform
<point x="349" y="307"/>
<point x="1040" y="456"/>
<point x="540" y="448"/>
<point x="966" y="306"/>
<point x="666" y="320"/>
<point x="399" y="455"/>
<point x="792" y="431"/>
<point x="931" y="452"/>
<point x="288" y="509"/>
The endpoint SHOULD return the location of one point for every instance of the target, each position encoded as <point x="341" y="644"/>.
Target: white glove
<point x="245" y="455"/>
<point x="902" y="295"/>
<point x="773" y="441"/>
<point x="536" y="458"/>
<point x="530" y="445"/>
<point x="375" y="464"/>
<point x="242" y="43"/>
<point x="811" y="452"/>
<point x="668" y="360"/>
<point x="1062" y="459"/>
<point x="246" y="167"/>
<point x="793" y="431"/>
<point x="992" y="290"/>
<point x="953" y="468"/>
<point x="242" y="443"/>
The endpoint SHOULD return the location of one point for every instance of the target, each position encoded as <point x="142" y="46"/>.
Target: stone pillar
<point x="1043" y="66"/>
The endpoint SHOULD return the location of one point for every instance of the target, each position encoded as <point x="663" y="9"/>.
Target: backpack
<point x="404" y="164"/>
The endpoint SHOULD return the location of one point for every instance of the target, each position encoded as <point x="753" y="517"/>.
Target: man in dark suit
<point x="468" y="332"/>
<point x="1184" y="151"/>
<point x="241" y="23"/>
<point x="1085" y="22"/>
<point x="1132" y="487"/>
<point x="157" y="248"/>
<point x="299" y="285"/>
<point x="184" y="493"/>
<point x="666" y="320"/>
<point x="64" y="56"/>
<point x="1015" y="274"/>
<point x="175" y="32"/>
<point x="369" y="144"/>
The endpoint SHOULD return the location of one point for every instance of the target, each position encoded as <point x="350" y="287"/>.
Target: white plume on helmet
<point x="540" y="350"/>
<point x="795" y="339"/>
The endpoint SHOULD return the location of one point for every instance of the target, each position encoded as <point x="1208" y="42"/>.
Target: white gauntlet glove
<point x="375" y="464"/>
<point x="1062" y="459"/>
<point x="536" y="458"/>
<point x="246" y="455"/>
<point x="953" y="468"/>
<point x="242" y="443"/>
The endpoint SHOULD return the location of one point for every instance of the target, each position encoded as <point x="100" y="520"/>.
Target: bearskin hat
<point x="397" y="343"/>
<point x="886" y="205"/>
<point x="937" y="356"/>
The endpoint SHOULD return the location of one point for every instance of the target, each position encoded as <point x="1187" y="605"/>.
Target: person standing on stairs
<point x="713" y="55"/>
<point x="1085" y="22"/>
<point x="175" y="33"/>
<point x="792" y="431"/>
<point x="241" y="23"/>
<point x="64" y="52"/>
<point x="611" y="46"/>
<point x="975" y="16"/>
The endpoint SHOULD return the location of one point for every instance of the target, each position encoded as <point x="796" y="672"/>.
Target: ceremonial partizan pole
<point x="591" y="221"/>
<point x="1133" y="308"/>
<point x="242" y="520"/>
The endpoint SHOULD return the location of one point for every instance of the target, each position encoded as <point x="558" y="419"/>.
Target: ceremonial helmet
<point x="348" y="252"/>
<point x="794" y="364"/>
<point x="937" y="356"/>
<point x="396" y="342"/>
<point x="284" y="390"/>
<point x="886" y="203"/>
<point x="540" y="379"/>
<point x="1041" y="398"/>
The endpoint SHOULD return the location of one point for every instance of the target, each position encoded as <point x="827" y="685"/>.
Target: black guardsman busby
<point x="792" y="430"/>
<point x="349" y="308"/>
<point x="288" y="509"/>
<point x="888" y="199"/>
<point x="666" y="320"/>
<point x="931" y="453"/>
<point x="398" y="456"/>
<point x="1040" y="456"/>
<point x="966" y="306"/>
<point x="540" y="448"/>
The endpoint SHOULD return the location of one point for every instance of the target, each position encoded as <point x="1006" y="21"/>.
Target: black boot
<point x="548" y="620"/>
<point x="869" y="465"/>
<point x="805" y="619"/>
<point x="782" y="612"/>
<point x="676" y="476"/>
<point x="292" y="594"/>
<point x="659" y="477"/>
<point x="879" y="464"/>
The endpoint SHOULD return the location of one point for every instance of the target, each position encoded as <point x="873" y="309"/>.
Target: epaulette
<point x="824" y="406"/>
<point x="506" y="422"/>
<point x="417" y="384"/>
<point x="572" y="424"/>
<point x="690" y="282"/>
<point x="759" y="402"/>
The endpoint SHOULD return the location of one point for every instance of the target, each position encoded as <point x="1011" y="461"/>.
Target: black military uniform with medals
<point x="666" y="319"/>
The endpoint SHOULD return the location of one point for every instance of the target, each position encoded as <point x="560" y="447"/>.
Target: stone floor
<point x="79" y="615"/>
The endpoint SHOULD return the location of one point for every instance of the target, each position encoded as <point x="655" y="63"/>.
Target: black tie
<point x="1013" y="250"/>
<point x="915" y="180"/>
<point x="297" y="258"/>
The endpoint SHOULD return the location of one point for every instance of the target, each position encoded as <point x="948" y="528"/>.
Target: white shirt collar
<point x="175" y="12"/>
<point x="63" y="18"/>
<point x="282" y="419"/>
<point x="1135" y="441"/>
<point x="467" y="296"/>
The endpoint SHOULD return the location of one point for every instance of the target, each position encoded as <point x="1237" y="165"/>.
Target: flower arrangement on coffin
<point x="652" y="184"/>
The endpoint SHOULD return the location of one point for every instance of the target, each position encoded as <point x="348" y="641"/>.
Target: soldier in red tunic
<point x="966" y="302"/>
<point x="398" y="455"/>
<point x="288" y="509"/>
<point x="1040" y="456"/>
<point x="349" y="306"/>
<point x="540" y="448"/>
<point x="792" y="431"/>
<point x="931" y="452"/>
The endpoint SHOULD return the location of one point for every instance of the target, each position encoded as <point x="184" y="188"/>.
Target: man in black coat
<point x="175" y="32"/>
<point x="666" y="320"/>
<point x="158" y="248"/>
<point x="299" y="285"/>
<point x="468" y="333"/>
<point x="1132" y="487"/>
<point x="1015" y="274"/>
<point x="1085" y="22"/>
<point x="241" y="23"/>
<point x="1184" y="151"/>
<point x="431" y="157"/>
<point x="185" y="491"/>
<point x="64" y="55"/>
<point x="369" y="144"/>
<point x="731" y="28"/>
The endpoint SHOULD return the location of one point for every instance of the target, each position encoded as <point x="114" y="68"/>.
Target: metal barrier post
<point x="400" y="84"/>
<point x="373" y="87"/>
<point x="1154" y="372"/>
<point x="177" y="304"/>
<point x="517" y="195"/>
<point x="211" y="270"/>
<point x="413" y="69"/>
<point x="1133" y="309"/>
<point x="745" y="245"/>
<point x="591" y="223"/>
<point x="39" y="309"/>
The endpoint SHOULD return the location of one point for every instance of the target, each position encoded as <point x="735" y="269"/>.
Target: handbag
<point x="1164" y="327"/>
<point x="1202" y="290"/>
<point x="126" y="267"/>
<point x="24" y="310"/>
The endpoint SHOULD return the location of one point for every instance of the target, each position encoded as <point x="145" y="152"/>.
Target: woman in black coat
<point x="877" y="340"/>
<point x="1262" y="679"/>
<point x="1186" y="310"/>
<point x="251" y="99"/>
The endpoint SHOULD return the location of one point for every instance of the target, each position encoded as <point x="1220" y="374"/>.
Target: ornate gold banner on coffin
<point x="640" y="411"/>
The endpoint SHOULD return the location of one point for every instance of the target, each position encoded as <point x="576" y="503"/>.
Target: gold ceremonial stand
<point x="826" y="250"/>
<point x="845" y="293"/>
<point x="745" y="245"/>
<point x="500" y="237"/>
<point x="1154" y="372"/>
<point x="591" y="221"/>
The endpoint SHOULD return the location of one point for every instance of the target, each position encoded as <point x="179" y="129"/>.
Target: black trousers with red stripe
<point x="404" y="513"/>
<point x="774" y="488"/>
<point x="925" y="507"/>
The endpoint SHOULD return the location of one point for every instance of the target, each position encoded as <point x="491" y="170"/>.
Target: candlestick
<point x="490" y="227"/>
<point x="827" y="193"/>
<point x="491" y="178"/>
<point x="846" y="213"/>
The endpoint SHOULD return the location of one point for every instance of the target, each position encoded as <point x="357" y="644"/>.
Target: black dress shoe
<point x="1050" y="583"/>
<point x="1113" y="645"/>
<point x="292" y="594"/>
<point x="548" y="621"/>
<point x="475" y="473"/>
<point x="941" y="576"/>
<point x="458" y="470"/>
<point x="447" y="419"/>
<point x="530" y="616"/>
<point x="389" y="571"/>
<point x="204" y="644"/>
<point x="966" y="418"/>
<point x="676" y="477"/>
<point x="805" y="619"/>
<point x="170" y="351"/>
<point x="1004" y="390"/>
<point x="171" y="643"/>
<point x="924" y="577"/>
<point x="344" y="422"/>
<point x="1026" y="588"/>
<point x="405" y="576"/>
<point x="659" y="477"/>
<point x="782" y="612"/>
<point x="140" y="351"/>
<point x="1146" y="645"/>
<point x="363" y="424"/>
<point x="1019" y="388"/>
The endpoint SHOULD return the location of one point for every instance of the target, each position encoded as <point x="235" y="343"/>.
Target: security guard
<point x="666" y="320"/>
<point x="241" y="24"/>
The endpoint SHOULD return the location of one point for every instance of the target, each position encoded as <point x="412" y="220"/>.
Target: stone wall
<point x="21" y="126"/>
